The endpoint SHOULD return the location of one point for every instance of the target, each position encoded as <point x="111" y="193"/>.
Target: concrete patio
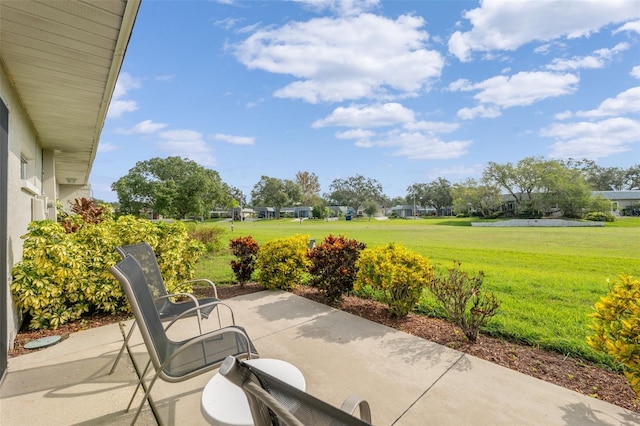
<point x="407" y="380"/>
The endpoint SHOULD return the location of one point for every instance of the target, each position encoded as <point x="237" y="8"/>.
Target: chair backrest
<point x="132" y="277"/>
<point x="273" y="401"/>
<point x="145" y="255"/>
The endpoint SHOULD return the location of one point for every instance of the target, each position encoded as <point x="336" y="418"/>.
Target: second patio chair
<point x="174" y="361"/>
<point x="273" y="401"/>
<point x="167" y="309"/>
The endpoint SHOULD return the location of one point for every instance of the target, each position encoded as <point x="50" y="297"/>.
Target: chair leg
<point x="140" y="383"/>
<point x="125" y="344"/>
<point x="144" y="388"/>
<point x="147" y="397"/>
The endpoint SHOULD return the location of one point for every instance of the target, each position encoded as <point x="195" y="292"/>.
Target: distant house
<point x="409" y="210"/>
<point x="622" y="201"/>
<point x="340" y="210"/>
<point x="265" y="212"/>
<point x="237" y="213"/>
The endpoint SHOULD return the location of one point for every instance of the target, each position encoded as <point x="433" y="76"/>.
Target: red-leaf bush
<point x="333" y="266"/>
<point x="246" y="250"/>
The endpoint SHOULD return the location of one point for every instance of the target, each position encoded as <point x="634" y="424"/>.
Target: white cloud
<point x="106" y="147"/>
<point x="117" y="108"/>
<point x="352" y="57"/>
<point x="432" y="126"/>
<point x="187" y="144"/>
<point x="507" y="25"/>
<point x="235" y="140"/>
<point x="361" y="116"/>
<point x="420" y="146"/>
<point x="633" y="26"/>
<point x="145" y="127"/>
<point x="342" y="7"/>
<point x="598" y="60"/>
<point x="593" y="140"/>
<point x="461" y="84"/>
<point x="563" y="115"/>
<point x="481" y="111"/>
<point x="635" y="72"/>
<point x="524" y="88"/>
<point x="165" y="77"/>
<point x="355" y="134"/>
<point x="627" y="102"/>
<point x="118" y="105"/>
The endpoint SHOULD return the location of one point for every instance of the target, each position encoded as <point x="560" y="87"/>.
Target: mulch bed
<point x="572" y="373"/>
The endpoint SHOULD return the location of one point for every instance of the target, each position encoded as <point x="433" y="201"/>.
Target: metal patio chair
<point x="173" y="361"/>
<point x="274" y="402"/>
<point x="167" y="309"/>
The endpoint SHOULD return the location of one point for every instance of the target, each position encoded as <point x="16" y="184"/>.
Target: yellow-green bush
<point x="63" y="275"/>
<point x="616" y="326"/>
<point x="399" y="273"/>
<point x="282" y="262"/>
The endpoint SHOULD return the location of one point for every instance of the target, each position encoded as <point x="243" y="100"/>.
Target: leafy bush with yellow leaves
<point x="399" y="273"/>
<point x="65" y="274"/>
<point x="282" y="263"/>
<point x="616" y="326"/>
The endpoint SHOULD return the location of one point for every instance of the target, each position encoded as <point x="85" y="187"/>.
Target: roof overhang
<point x="63" y="59"/>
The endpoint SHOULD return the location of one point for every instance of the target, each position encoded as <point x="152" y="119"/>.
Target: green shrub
<point x="463" y="301"/>
<point x="616" y="326"/>
<point x="210" y="236"/>
<point x="400" y="274"/>
<point x="600" y="217"/>
<point x="283" y="262"/>
<point x="333" y="266"/>
<point x="63" y="275"/>
<point x="246" y="250"/>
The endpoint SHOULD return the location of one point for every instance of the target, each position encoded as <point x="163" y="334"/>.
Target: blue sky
<point x="402" y="92"/>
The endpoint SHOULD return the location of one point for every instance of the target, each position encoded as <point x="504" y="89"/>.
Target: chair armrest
<point x="351" y="403"/>
<point x="188" y="295"/>
<point x="215" y="290"/>
<point x="198" y="307"/>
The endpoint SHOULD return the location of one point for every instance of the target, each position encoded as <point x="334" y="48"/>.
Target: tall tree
<point x="565" y="189"/>
<point x="473" y="197"/>
<point x="439" y="194"/>
<point x="173" y="187"/>
<point x="521" y="181"/>
<point x="270" y="191"/>
<point x="310" y="187"/>
<point x="417" y="194"/>
<point x="354" y="191"/>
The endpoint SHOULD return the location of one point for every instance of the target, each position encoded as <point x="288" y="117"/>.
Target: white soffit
<point x="63" y="58"/>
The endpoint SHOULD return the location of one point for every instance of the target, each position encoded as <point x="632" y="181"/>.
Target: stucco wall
<point x="22" y="141"/>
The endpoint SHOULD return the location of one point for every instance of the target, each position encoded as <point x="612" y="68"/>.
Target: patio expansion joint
<point x="462" y="355"/>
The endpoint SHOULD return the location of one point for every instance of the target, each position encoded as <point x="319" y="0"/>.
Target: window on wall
<point x="24" y="168"/>
<point x="27" y="175"/>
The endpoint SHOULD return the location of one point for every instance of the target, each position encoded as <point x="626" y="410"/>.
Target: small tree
<point x="333" y="266"/>
<point x="616" y="327"/>
<point x="370" y="208"/>
<point x="463" y="301"/>
<point x="246" y="250"/>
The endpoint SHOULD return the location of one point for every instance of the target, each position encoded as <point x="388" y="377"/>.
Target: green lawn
<point x="547" y="279"/>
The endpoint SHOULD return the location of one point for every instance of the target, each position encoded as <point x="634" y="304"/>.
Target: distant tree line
<point x="178" y="188"/>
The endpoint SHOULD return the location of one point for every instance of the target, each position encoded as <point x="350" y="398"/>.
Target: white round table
<point x="223" y="403"/>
